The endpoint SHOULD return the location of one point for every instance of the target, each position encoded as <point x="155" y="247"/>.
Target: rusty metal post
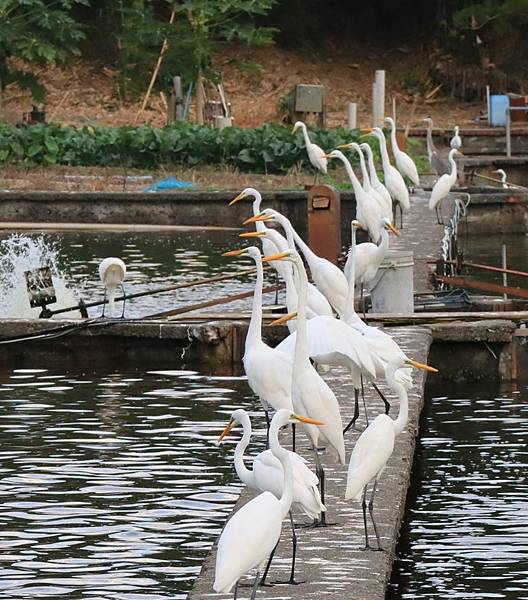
<point x="324" y="221"/>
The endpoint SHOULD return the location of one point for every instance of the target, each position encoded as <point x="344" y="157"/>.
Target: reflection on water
<point x="112" y="486"/>
<point x="466" y="534"/>
<point x="153" y="259"/>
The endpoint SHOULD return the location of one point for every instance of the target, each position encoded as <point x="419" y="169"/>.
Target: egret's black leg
<point x="319" y="471"/>
<point x="356" y="412"/>
<point x="124" y="299"/>
<point x="401" y="215"/>
<point x="363" y="398"/>
<point x="266" y="412"/>
<point x="235" y="595"/>
<point x="266" y="570"/>
<point x="382" y="396"/>
<point x="277" y="286"/>
<point x="255" y="585"/>
<point x="293" y="437"/>
<point x="104" y="303"/>
<point x="364" y="507"/>
<point x="371" y="511"/>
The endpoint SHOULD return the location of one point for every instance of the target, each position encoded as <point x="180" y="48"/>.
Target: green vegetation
<point x="38" y="33"/>
<point x="266" y="149"/>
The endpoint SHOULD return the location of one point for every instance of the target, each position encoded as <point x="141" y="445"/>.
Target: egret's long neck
<point x="244" y="474"/>
<point x="394" y="141"/>
<point x="283" y="455"/>
<point x="403" y="414"/>
<point x="383" y="150"/>
<point x="301" y="352"/>
<point x="453" y="174"/>
<point x="111" y="292"/>
<point x="383" y="245"/>
<point x="349" y="314"/>
<point x="364" y="172"/>
<point x="352" y="176"/>
<point x="305" y="135"/>
<point x="254" y="334"/>
<point x="294" y="238"/>
<point x="374" y="179"/>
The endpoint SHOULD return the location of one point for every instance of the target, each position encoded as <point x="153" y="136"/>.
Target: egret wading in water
<point x="253" y="532"/>
<point x="437" y="160"/>
<point x="404" y="162"/>
<point x="393" y="179"/>
<point x="456" y="140"/>
<point x="112" y="273"/>
<point x="315" y="153"/>
<point x="443" y="186"/>
<point x="375" y="446"/>
<point x="267" y="475"/>
<point x="269" y="371"/>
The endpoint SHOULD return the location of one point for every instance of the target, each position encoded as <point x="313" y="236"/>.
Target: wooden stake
<point x="164" y="47"/>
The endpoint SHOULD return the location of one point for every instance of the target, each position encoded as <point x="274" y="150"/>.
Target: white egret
<point x="456" y="140"/>
<point x="317" y="303"/>
<point x="112" y="273"/>
<point x="404" y="162"/>
<point x="273" y="238"/>
<point x="367" y="208"/>
<point x="382" y="191"/>
<point x="394" y="182"/>
<point x="315" y="153"/>
<point x="437" y="160"/>
<point x="311" y="395"/>
<point x="368" y="256"/>
<point x="502" y="173"/>
<point x="252" y="533"/>
<point x="443" y="186"/>
<point x="375" y="445"/>
<point x="267" y="475"/>
<point x="328" y="278"/>
<point x="269" y="371"/>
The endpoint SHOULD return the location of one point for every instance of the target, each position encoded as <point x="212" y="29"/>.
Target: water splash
<point x="20" y="253"/>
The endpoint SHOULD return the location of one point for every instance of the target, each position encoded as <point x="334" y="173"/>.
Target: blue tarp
<point x="170" y="183"/>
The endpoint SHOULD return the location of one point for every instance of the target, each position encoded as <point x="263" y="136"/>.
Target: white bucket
<point x="393" y="287"/>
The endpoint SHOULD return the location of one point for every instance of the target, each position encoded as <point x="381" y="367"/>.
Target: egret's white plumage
<point x="394" y="182"/>
<point x="437" y="160"/>
<point x="456" y="140"/>
<point x="404" y="162"/>
<point x="443" y="186"/>
<point x="112" y="272"/>
<point x="502" y="173"/>
<point x="268" y="370"/>
<point x="252" y="533"/>
<point x="367" y="208"/>
<point x="376" y="183"/>
<point x="315" y="153"/>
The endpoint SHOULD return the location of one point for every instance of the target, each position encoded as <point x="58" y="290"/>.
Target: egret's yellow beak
<point x="252" y="234"/>
<point x="357" y="225"/>
<point x="418" y="365"/>
<point x="240" y="196"/>
<point x="227" y="430"/>
<point x="306" y="420"/>
<point x="234" y="252"/>
<point x="255" y="218"/>
<point x="284" y="319"/>
<point x="295" y="129"/>
<point x="278" y="256"/>
<point x="328" y="156"/>
<point x="393" y="229"/>
<point x="344" y="146"/>
<point x="366" y="130"/>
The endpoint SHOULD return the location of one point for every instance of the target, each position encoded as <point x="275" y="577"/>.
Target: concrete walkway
<point x="331" y="561"/>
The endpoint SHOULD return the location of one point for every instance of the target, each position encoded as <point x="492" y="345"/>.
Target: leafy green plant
<point x="266" y="149"/>
<point x="39" y="33"/>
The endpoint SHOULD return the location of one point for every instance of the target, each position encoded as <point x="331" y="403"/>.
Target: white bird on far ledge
<point x="112" y="273"/>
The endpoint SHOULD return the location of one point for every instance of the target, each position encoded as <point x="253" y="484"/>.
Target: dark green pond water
<point x="112" y="485"/>
<point x="465" y="534"/>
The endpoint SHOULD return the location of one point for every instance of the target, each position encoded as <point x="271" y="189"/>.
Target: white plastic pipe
<point x="352" y="116"/>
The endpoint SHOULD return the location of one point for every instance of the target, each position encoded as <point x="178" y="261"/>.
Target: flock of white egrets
<point x="325" y="332"/>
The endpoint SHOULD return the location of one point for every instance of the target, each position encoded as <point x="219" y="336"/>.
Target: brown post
<point x="324" y="221"/>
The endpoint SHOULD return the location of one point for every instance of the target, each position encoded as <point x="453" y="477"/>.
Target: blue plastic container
<point x="498" y="105"/>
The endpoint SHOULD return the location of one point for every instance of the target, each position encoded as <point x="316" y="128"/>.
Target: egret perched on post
<point x="315" y="153"/>
<point x="375" y="445"/>
<point x="456" y="140"/>
<point x="267" y="475"/>
<point x="112" y="273"/>
<point x="252" y="533"/>
<point x="443" y="186"/>
<point x="404" y="162"/>
<point x="438" y="161"/>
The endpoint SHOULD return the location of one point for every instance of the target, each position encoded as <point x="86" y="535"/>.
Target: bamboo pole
<point x="164" y="47"/>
